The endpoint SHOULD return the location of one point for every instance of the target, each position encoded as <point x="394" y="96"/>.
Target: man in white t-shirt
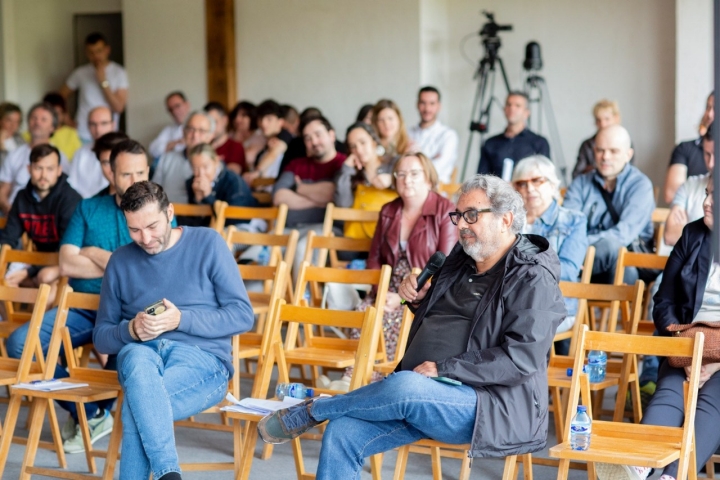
<point x="687" y="205"/>
<point x="437" y="141"/>
<point x="171" y="137"/>
<point x="100" y="82"/>
<point x="14" y="172"/>
<point x="86" y="174"/>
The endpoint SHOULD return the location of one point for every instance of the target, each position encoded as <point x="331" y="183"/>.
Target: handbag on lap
<point x="711" y="349"/>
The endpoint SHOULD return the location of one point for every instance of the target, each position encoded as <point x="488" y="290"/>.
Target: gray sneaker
<point x="68" y="429"/>
<point x="609" y="471"/>
<point x="99" y="428"/>
<point x="288" y="423"/>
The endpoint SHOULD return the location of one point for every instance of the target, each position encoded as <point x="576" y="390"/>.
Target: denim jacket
<point x="565" y="230"/>
<point x="632" y="198"/>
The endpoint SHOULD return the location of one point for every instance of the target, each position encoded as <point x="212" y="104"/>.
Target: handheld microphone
<point x="431" y="268"/>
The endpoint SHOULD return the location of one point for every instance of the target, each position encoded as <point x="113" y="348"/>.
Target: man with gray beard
<point x="483" y="329"/>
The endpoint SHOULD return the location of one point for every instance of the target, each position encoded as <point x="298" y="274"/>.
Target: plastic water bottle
<point x="580" y="429"/>
<point x="264" y="257"/>
<point x="293" y="390"/>
<point x="597" y="364"/>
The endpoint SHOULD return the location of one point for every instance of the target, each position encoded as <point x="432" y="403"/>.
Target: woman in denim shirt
<point x="537" y="182"/>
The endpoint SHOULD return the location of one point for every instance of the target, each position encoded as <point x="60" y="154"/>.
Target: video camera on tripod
<point x="489" y="34"/>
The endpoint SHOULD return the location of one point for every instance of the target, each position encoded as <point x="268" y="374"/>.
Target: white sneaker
<point x="342" y="385"/>
<point x="610" y="471"/>
<point x="322" y="382"/>
<point x="99" y="428"/>
<point x="68" y="428"/>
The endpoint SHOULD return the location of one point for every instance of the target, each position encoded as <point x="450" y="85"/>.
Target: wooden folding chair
<point x="618" y="373"/>
<point x="102" y="385"/>
<point x="259" y="187"/>
<point x="274" y="216"/>
<point x="340" y="214"/>
<point x="640" y="260"/>
<point x="659" y="217"/>
<point x="200" y="211"/>
<point x="328" y="246"/>
<point x="339" y="353"/>
<point x="585" y="276"/>
<point x="30" y="367"/>
<point x="15" y="314"/>
<point x="449" y="190"/>
<point x="617" y="442"/>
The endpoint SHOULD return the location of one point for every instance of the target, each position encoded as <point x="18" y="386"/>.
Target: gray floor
<point x="194" y="446"/>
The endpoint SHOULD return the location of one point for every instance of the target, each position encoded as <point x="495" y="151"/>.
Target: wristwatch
<point x="105" y="84"/>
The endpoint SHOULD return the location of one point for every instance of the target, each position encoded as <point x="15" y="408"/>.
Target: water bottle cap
<point x="309" y="392"/>
<point x="569" y="372"/>
<point x="582" y="408"/>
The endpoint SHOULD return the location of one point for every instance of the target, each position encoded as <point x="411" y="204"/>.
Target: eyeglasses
<point x="414" y="174"/>
<point x="191" y="130"/>
<point x="536" y="182"/>
<point x="470" y="216"/>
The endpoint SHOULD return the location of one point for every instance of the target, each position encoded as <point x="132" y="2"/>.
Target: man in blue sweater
<point x="174" y="358"/>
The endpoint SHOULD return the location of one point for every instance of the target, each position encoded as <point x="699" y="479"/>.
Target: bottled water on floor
<point x="294" y="390"/>
<point x="597" y="364"/>
<point x="580" y="429"/>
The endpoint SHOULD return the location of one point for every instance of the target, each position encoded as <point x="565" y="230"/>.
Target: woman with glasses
<point x="409" y="231"/>
<point x="536" y="180"/>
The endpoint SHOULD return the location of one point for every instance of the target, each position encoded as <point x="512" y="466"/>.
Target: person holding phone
<point x="487" y="320"/>
<point x="170" y="327"/>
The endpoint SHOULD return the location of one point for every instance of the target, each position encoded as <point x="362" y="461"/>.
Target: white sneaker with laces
<point x="99" y="428"/>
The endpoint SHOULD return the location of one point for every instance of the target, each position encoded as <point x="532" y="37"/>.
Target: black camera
<point x="491" y="28"/>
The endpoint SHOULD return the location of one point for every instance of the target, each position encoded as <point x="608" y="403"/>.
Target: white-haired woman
<point x="536" y="180"/>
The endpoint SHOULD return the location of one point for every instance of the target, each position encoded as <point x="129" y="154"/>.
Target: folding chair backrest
<point x="640" y="260"/>
<point x="341" y="214"/>
<point x="586" y="273"/>
<point x="449" y="190"/>
<point x="191" y="210"/>
<point x="330" y="245"/>
<point x="274" y="216"/>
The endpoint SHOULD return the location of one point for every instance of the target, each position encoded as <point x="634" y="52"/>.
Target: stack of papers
<point x="50" y="385"/>
<point x="257" y="406"/>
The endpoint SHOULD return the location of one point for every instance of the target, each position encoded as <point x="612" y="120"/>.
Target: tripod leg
<point x="477" y="102"/>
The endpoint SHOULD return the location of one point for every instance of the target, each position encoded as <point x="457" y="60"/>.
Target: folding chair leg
<point x="509" y="472"/>
<point x="465" y="467"/>
<point x="237" y="445"/>
<point x="34" y="436"/>
<point x="558" y="413"/>
<point x="527" y="466"/>
<point x="267" y="451"/>
<point x="57" y="437"/>
<point x="436" y="465"/>
<point x="591" y="471"/>
<point x="248" y="451"/>
<point x="85" y="432"/>
<point x="9" y="430"/>
<point x="563" y="468"/>
<point x="115" y="439"/>
<point x="401" y="462"/>
<point x="376" y="466"/>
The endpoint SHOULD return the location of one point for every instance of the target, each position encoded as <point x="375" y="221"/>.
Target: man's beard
<point x="475" y="249"/>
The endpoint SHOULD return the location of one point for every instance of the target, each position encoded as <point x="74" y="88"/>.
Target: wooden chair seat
<point x="321" y="357"/>
<point x="94" y="392"/>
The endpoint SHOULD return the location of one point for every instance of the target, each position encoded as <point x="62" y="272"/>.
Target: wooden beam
<point x="220" y="44"/>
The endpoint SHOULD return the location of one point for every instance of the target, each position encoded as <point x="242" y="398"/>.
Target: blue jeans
<point x="163" y="381"/>
<point x="81" y="324"/>
<point x="401" y="409"/>
<point x="604" y="266"/>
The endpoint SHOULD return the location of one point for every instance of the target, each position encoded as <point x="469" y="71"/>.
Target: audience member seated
<point x="687" y="206"/>
<point x="689" y="292"/>
<point x="291" y="119"/>
<point x="86" y="174"/>
<point x="230" y="152"/>
<point x="307" y="184"/>
<point x="390" y="126"/>
<point x="365" y="114"/>
<point x="515" y="143"/>
<point x="174" y="168"/>
<point x="96" y="229"/>
<point x="65" y="137"/>
<point x="14" y="173"/>
<point x="103" y="149"/>
<point x="10" y="121"/>
<point x="487" y="320"/>
<point x="433" y="138"/>
<point x="171" y="137"/>
<point x="296" y="147"/>
<point x="42" y="210"/>
<point x="365" y="179"/>
<point x="606" y="114"/>
<point x="618" y="201"/>
<point x="269" y="159"/>
<point x="535" y="178"/>
<point x="173" y="364"/>
<point x="212" y="181"/>
<point x="101" y="82"/>
<point x="244" y="129"/>
<point x="410" y="230"/>
<point x="687" y="157"/>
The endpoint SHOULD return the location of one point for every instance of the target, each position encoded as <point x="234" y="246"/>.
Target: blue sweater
<point x="198" y="274"/>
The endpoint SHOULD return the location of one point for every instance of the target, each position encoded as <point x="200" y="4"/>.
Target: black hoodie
<point x="45" y="220"/>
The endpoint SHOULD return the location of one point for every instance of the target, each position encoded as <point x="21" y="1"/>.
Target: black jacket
<point x="508" y="347"/>
<point x="44" y="221"/>
<point x="681" y="291"/>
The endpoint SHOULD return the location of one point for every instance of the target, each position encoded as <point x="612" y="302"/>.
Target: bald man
<point x="618" y="201"/>
<point x="86" y="175"/>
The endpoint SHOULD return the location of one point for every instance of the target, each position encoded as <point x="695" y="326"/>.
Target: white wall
<point x="333" y="54"/>
<point x="615" y="49"/>
<point x="164" y="51"/>
<point x="37" y="41"/>
<point x="693" y="64"/>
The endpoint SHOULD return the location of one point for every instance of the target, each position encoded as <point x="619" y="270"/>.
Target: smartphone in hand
<point x="156" y="308"/>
